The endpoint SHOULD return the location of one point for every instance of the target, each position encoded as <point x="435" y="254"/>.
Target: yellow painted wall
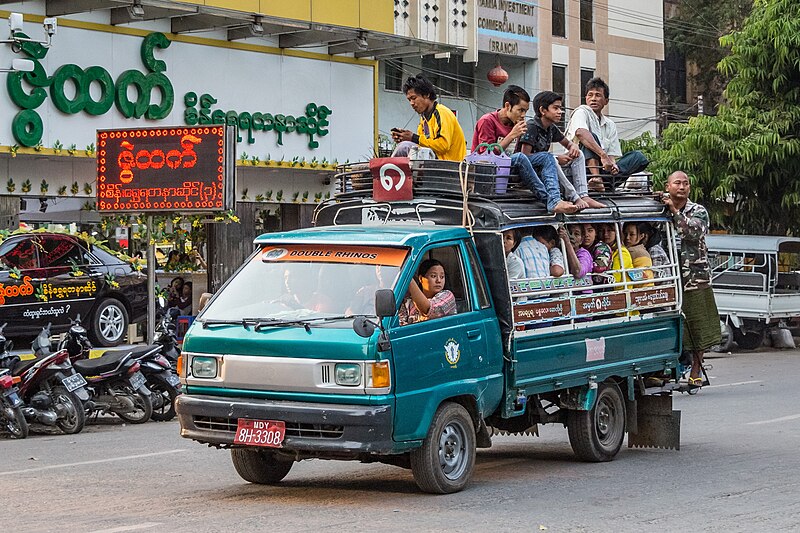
<point x="374" y="15"/>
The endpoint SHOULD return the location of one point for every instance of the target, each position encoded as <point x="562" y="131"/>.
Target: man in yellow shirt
<point x="438" y="127"/>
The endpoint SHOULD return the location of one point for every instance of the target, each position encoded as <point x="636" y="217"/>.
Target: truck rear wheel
<point x="258" y="466"/>
<point x="445" y="461"/>
<point x="596" y="435"/>
<point x="751" y="339"/>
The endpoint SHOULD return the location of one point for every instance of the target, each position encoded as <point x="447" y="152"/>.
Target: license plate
<point x="137" y="380"/>
<point x="173" y="380"/>
<point x="75" y="381"/>
<point x="267" y="433"/>
<point x="13" y="399"/>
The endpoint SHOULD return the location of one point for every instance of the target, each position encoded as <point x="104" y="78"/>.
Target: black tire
<point x="71" y="417"/>
<point x="444" y="462"/>
<point x="726" y="342"/>
<point x="109" y="323"/>
<point x="260" y="466"/>
<point x="144" y="409"/>
<point x="159" y="386"/>
<point x="596" y="435"/>
<point x="14" y="422"/>
<point x="750" y="340"/>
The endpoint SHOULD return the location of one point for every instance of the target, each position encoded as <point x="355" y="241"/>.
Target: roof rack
<point x="439" y="200"/>
<point x="433" y="177"/>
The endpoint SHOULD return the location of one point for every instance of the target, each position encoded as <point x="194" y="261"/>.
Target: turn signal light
<point x="380" y="375"/>
<point x="180" y="366"/>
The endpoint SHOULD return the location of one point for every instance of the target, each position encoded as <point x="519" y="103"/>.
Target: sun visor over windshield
<point x="324" y="253"/>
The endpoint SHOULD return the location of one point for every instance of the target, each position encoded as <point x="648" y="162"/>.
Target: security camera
<point x="50" y="26"/>
<point x="15" y="22"/>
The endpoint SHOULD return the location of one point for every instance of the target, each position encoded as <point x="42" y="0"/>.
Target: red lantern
<point x="497" y="76"/>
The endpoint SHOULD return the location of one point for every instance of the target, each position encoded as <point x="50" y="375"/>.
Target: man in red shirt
<point x="505" y="126"/>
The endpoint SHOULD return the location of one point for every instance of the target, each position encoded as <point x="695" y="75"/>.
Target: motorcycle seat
<point x="99" y="365"/>
<point x="22" y="366"/>
<point x="136" y="352"/>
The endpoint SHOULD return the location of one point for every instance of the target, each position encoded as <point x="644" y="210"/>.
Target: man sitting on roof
<point x="598" y="137"/>
<point x="438" y="127"/>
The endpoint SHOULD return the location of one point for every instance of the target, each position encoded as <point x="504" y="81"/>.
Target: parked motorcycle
<point x="115" y="381"/>
<point x="51" y="391"/>
<point x="160" y="368"/>
<point x="11" y="416"/>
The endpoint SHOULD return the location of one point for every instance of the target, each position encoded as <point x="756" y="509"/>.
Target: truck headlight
<point x="204" y="367"/>
<point x="347" y="374"/>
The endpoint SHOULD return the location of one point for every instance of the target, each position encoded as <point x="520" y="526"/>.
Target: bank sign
<point x="508" y="27"/>
<point x="282" y="106"/>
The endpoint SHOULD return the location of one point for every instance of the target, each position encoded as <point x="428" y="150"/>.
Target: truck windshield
<point x="303" y="282"/>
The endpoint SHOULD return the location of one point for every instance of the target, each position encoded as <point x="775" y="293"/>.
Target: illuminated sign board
<point x="163" y="169"/>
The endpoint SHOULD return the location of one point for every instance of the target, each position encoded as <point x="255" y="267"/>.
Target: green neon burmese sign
<point x="29" y="90"/>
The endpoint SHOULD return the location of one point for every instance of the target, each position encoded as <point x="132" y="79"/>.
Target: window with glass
<point x="587" y="20"/>
<point x="393" y="74"/>
<point x="586" y="75"/>
<point x="307" y="283"/>
<point x="451" y="77"/>
<point x="560" y="87"/>
<point x="19" y="254"/>
<point x="62" y="252"/>
<point x="559" y="15"/>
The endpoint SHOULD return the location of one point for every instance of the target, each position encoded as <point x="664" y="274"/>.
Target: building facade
<point x="553" y="45"/>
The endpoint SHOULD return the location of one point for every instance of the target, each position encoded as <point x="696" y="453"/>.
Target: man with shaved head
<point x="701" y="329"/>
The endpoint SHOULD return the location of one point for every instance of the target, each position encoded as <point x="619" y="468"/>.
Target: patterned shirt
<point x="601" y="259"/>
<point x="535" y="257"/>
<point x="539" y="137"/>
<point x="443" y="303"/>
<point x="691" y="223"/>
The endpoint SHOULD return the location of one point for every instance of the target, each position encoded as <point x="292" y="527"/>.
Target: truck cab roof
<point x="411" y="235"/>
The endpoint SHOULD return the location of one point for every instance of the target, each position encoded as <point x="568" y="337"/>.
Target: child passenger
<point x="548" y="236"/>
<point x="514" y="265"/>
<point x="620" y="256"/>
<point x="578" y="258"/>
<point x="601" y="254"/>
<point x="640" y="257"/>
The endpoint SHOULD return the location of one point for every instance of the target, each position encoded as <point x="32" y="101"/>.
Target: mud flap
<point x="657" y="424"/>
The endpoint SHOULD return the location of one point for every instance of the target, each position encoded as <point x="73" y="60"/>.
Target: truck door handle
<point x="474" y="334"/>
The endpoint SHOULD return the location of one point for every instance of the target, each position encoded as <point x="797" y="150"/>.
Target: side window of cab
<point x="440" y="277"/>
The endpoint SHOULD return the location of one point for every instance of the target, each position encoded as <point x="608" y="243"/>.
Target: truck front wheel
<point x="258" y="466"/>
<point x="444" y="463"/>
<point x="596" y="435"/>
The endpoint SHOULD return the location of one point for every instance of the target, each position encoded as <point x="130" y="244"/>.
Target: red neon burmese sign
<point x="161" y="169"/>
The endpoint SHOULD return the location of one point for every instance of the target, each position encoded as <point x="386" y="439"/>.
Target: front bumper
<point x="310" y="427"/>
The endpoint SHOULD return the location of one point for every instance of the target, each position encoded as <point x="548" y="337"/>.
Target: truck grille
<point x="293" y="429"/>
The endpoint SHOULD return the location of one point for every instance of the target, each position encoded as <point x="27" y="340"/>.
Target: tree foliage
<point x="745" y="161"/>
<point x="694" y="32"/>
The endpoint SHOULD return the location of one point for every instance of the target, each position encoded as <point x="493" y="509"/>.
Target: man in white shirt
<point x="598" y="137"/>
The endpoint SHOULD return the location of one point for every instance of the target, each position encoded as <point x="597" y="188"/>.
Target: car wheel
<point x="444" y="462"/>
<point x="110" y="323"/>
<point x="596" y="435"/>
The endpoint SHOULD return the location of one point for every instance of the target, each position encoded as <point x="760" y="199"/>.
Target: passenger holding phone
<point x="438" y="127"/>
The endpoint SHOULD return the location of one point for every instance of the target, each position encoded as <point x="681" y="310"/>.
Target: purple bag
<point x="491" y="156"/>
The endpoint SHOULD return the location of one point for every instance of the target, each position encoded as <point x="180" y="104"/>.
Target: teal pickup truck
<point x="302" y="353"/>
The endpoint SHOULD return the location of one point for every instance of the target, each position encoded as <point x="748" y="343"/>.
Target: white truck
<point x="756" y="282"/>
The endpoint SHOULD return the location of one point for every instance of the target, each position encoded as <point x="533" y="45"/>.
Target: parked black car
<point x="50" y="277"/>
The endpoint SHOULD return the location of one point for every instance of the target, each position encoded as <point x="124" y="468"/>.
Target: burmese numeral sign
<point x="161" y="169"/>
<point x="391" y="179"/>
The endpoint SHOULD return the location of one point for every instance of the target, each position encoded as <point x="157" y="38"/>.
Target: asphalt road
<point x="738" y="470"/>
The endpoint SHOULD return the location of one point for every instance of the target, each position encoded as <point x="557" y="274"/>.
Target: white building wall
<point x="636" y="19"/>
<point x="633" y="95"/>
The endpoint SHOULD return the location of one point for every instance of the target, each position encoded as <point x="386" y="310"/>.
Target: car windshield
<point x="307" y="282"/>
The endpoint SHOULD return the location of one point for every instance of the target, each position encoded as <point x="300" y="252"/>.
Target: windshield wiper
<point x="244" y="322"/>
<point x="266" y="322"/>
<point x="305" y="322"/>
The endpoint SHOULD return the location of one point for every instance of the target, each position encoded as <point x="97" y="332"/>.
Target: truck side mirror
<point x="385" y="304"/>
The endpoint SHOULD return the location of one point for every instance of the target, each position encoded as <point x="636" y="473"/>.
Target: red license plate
<point x="267" y="433"/>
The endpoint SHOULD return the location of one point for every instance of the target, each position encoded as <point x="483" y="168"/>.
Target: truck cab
<point x="304" y="352"/>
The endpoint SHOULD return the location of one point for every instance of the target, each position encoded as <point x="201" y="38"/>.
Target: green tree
<point x="694" y="32"/>
<point x="744" y="161"/>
